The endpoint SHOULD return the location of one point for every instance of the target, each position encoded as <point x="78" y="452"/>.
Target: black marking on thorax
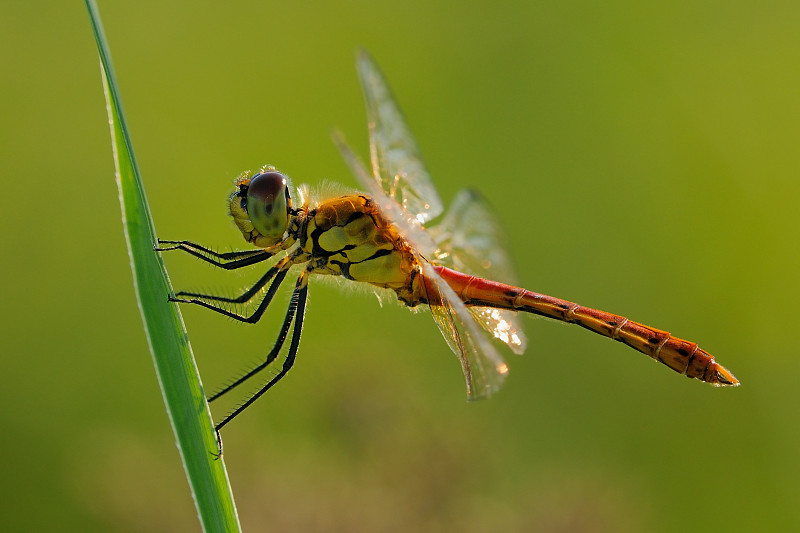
<point x="301" y="227"/>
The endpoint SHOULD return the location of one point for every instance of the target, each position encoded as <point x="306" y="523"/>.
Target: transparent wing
<point x="483" y="367"/>
<point x="397" y="165"/>
<point x="469" y="239"/>
<point x="409" y="225"/>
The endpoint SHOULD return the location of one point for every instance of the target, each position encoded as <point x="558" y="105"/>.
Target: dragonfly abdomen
<point x="682" y="356"/>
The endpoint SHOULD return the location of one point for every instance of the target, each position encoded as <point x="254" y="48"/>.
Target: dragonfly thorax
<point x="349" y="237"/>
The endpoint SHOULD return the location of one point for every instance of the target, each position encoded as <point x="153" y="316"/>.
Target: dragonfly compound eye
<point x="268" y="204"/>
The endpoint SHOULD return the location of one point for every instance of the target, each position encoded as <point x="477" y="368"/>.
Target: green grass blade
<point x="166" y="335"/>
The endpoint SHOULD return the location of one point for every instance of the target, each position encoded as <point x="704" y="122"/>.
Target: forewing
<point x="409" y="226"/>
<point x="483" y="367"/>
<point x="469" y="239"/>
<point x="397" y="165"/>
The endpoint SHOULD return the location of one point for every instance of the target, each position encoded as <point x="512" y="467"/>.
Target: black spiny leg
<point x="296" y="312"/>
<point x="280" y="271"/>
<point x="245" y="296"/>
<point x="279" y="342"/>
<point x="226" y="260"/>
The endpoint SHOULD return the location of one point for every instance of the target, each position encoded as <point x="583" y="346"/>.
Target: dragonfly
<point x="396" y="236"/>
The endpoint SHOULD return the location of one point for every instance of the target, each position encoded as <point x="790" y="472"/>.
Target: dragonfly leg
<point x="276" y="348"/>
<point x="281" y="268"/>
<point x="296" y="313"/>
<point x="244" y="297"/>
<point x="226" y="260"/>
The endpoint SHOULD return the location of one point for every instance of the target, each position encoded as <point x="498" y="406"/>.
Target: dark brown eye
<point x="268" y="204"/>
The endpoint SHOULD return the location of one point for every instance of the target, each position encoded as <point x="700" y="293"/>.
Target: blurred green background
<point x="642" y="156"/>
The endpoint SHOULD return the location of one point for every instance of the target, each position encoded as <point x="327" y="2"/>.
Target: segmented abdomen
<point x="682" y="356"/>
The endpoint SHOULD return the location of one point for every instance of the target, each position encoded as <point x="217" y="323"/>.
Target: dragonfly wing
<point x="409" y="225"/>
<point x="469" y="239"/>
<point x="503" y="325"/>
<point x="397" y="165"/>
<point x="483" y="367"/>
<point x="404" y="191"/>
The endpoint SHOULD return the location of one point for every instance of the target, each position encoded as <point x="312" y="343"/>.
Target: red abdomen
<point x="682" y="356"/>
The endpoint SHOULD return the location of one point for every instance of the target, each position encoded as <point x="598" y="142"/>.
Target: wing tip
<point x="365" y="63"/>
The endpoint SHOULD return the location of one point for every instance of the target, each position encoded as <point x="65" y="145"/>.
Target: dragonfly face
<point x="261" y="207"/>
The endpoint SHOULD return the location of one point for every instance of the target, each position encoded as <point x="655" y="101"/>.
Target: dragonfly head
<point x="261" y="206"/>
